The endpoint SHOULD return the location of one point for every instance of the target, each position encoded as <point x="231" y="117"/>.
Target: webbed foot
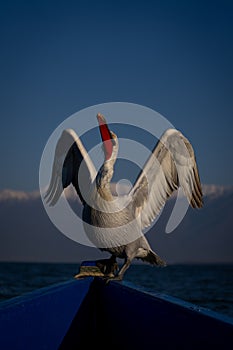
<point x="105" y="268"/>
<point x="115" y="278"/>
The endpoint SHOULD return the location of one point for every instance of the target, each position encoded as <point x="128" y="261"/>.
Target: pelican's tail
<point x="154" y="259"/>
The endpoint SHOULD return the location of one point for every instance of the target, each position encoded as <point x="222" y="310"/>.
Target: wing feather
<point x="172" y="164"/>
<point x="70" y="155"/>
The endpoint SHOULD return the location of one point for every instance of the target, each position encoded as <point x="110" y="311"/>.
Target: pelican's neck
<point x="104" y="178"/>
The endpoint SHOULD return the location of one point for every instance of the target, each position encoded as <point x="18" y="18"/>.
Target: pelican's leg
<point x="108" y="266"/>
<point x="120" y="275"/>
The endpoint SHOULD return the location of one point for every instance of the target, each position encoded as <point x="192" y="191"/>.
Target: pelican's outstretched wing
<point x="70" y="154"/>
<point x="171" y="164"/>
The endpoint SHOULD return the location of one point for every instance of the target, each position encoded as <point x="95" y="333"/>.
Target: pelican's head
<point x="110" y="142"/>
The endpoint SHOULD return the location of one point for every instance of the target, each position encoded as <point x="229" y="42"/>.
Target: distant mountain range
<point x="204" y="235"/>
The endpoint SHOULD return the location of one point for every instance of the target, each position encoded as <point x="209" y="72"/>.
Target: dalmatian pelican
<point x="116" y="224"/>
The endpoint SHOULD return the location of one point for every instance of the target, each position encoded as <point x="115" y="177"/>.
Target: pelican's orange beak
<point x="106" y="136"/>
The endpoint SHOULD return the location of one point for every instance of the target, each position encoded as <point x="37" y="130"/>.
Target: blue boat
<point x="86" y="312"/>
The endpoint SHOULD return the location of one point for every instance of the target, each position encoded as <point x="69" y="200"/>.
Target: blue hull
<point x="85" y="312"/>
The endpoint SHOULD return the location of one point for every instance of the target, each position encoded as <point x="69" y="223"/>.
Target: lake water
<point x="209" y="286"/>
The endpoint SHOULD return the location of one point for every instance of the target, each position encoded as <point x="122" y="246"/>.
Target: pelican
<point x="116" y="224"/>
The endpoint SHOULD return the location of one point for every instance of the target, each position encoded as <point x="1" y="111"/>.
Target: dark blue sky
<point x="58" y="57"/>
